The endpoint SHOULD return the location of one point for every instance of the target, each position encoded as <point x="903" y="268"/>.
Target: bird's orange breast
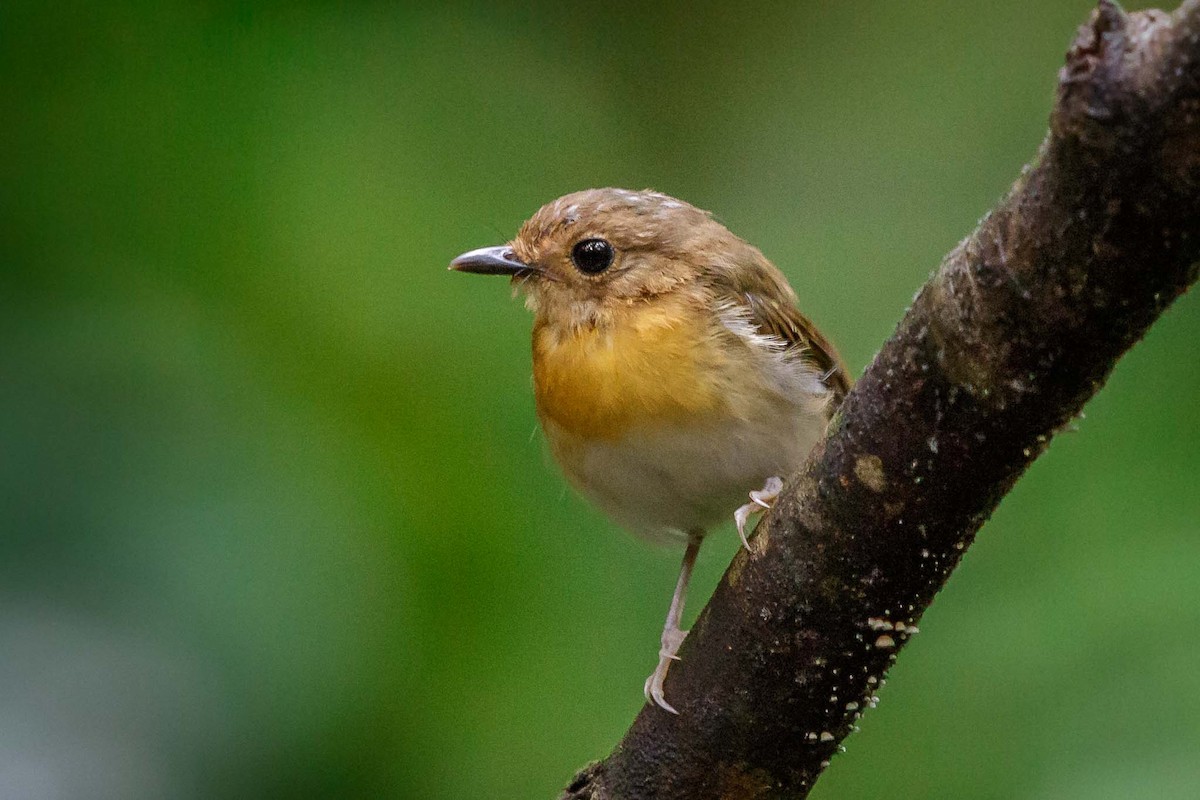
<point x="651" y="365"/>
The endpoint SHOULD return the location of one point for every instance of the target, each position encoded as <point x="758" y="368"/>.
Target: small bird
<point x="672" y="372"/>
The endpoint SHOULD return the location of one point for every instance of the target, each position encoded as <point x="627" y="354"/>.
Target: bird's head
<point x="590" y="253"/>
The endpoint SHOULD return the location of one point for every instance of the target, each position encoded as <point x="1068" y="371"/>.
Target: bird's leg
<point x="672" y="636"/>
<point x="760" y="501"/>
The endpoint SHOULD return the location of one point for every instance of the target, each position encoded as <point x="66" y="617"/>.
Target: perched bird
<point x="672" y="371"/>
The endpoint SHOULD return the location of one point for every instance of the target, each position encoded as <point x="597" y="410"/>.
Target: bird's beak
<point x="491" y="261"/>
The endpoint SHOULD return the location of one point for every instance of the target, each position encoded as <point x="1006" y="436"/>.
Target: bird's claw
<point x="653" y="689"/>
<point x="760" y="501"/>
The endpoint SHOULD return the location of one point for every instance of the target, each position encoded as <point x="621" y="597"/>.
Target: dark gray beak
<point x="491" y="261"/>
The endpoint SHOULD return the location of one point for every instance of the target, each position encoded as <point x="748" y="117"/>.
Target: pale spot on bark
<point x="869" y="470"/>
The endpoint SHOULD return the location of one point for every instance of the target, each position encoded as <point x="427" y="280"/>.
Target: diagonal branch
<point x="1019" y="327"/>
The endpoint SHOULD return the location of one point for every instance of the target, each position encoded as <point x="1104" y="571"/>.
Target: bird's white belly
<point x="664" y="483"/>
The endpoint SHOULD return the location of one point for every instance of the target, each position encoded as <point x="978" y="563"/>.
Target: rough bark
<point x="1021" y="324"/>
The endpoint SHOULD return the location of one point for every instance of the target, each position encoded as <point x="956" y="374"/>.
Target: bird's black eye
<point x="592" y="255"/>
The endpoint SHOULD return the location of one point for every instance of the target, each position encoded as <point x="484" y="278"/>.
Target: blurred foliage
<point x="275" y="518"/>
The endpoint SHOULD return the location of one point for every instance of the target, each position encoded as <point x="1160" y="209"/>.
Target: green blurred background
<point x="276" y="520"/>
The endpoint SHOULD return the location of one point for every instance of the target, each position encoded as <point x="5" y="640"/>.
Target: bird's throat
<point x="650" y="364"/>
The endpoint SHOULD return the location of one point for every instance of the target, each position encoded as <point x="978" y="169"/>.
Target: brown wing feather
<point x="754" y="283"/>
<point x="783" y="319"/>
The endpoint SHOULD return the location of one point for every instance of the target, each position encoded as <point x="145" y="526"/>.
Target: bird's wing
<point x="783" y="320"/>
<point x="760" y="292"/>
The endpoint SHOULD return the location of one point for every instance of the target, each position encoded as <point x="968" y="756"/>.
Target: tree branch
<point x="1019" y="327"/>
